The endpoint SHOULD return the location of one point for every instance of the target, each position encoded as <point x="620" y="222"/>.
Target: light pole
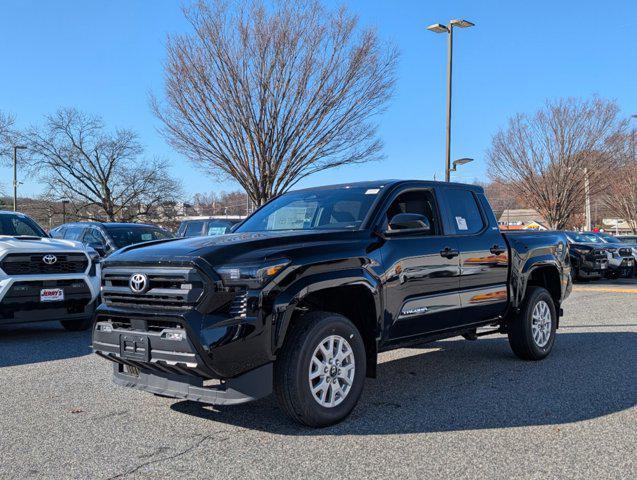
<point x="439" y="28"/>
<point x="460" y="161"/>
<point x="64" y="203"/>
<point x="633" y="137"/>
<point x="15" y="175"/>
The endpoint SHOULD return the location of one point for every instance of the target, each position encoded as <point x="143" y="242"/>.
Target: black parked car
<point x="105" y="238"/>
<point x="621" y="256"/>
<point x="306" y="292"/>
<point x="589" y="258"/>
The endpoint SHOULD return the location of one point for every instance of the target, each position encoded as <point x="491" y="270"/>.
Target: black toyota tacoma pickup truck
<point x="306" y="292"/>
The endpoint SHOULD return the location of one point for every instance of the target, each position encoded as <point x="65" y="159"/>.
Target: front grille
<point x="598" y="255"/>
<point x="33" y="264"/>
<point x="167" y="288"/>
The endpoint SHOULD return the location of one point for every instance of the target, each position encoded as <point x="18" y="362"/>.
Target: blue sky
<point x="104" y="57"/>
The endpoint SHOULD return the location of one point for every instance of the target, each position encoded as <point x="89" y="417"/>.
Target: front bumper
<point x="184" y="343"/>
<point x="591" y="268"/>
<point x="225" y="362"/>
<point x="616" y="263"/>
<point x="20" y="298"/>
<point x="248" y="387"/>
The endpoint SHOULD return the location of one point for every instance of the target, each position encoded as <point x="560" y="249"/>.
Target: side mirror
<point x="99" y="248"/>
<point x="408" y="223"/>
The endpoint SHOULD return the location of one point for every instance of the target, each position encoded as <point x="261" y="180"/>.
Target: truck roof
<point x="394" y="182"/>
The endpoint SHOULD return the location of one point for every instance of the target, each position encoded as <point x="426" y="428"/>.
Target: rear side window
<point x="465" y="213"/>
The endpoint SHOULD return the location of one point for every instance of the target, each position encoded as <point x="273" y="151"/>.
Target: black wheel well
<point x="549" y="278"/>
<point x="354" y="302"/>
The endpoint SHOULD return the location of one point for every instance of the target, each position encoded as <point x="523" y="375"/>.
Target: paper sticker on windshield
<point x="462" y="223"/>
<point x="372" y="191"/>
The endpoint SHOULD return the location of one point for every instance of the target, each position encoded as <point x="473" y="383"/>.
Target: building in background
<point x="521" y="219"/>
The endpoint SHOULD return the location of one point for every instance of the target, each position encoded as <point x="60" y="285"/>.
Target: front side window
<point x="337" y="208"/>
<point x="94" y="237"/>
<point x="465" y="213"/>
<point x="416" y="201"/>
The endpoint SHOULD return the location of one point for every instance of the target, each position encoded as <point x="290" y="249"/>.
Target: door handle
<point x="497" y="249"/>
<point x="449" y="252"/>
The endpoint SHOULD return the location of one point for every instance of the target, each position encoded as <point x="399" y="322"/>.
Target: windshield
<point x="339" y="208"/>
<point x="19" y="225"/>
<point x="124" y="236"/>
<point x="607" y="237"/>
<point x="583" y="237"/>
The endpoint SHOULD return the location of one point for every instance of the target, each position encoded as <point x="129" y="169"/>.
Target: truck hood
<point x="234" y="247"/>
<point x="37" y="245"/>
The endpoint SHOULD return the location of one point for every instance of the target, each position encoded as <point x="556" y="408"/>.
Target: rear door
<point x="484" y="257"/>
<point x="421" y="277"/>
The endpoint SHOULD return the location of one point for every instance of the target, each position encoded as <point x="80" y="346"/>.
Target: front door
<point x="421" y="279"/>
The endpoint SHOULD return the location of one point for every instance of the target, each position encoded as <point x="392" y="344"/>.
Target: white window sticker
<point x="372" y="191"/>
<point x="462" y="223"/>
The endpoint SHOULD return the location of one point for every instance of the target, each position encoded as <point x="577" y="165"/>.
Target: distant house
<point x="521" y="219"/>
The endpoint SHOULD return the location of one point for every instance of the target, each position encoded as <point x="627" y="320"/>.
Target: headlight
<point x="580" y="251"/>
<point x="248" y="275"/>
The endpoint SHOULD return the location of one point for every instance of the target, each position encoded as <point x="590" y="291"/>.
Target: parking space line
<point x="605" y="289"/>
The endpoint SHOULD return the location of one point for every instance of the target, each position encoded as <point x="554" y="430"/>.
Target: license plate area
<point x="134" y="347"/>
<point x="51" y="295"/>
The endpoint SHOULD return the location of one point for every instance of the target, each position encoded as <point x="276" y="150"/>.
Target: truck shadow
<point x="27" y="343"/>
<point x="460" y="385"/>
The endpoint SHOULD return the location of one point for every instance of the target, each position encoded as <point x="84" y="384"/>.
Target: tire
<point x="292" y="369"/>
<point x="521" y="334"/>
<point x="77" y="325"/>
<point x="574" y="275"/>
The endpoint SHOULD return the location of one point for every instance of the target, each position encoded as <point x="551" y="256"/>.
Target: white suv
<point x="42" y="278"/>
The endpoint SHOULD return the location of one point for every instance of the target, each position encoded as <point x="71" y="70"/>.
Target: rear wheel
<point x="320" y="371"/>
<point x="532" y="331"/>
<point x="77" y="325"/>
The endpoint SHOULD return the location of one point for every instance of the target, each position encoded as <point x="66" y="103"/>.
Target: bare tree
<point x="267" y="96"/>
<point x="103" y="174"/>
<point x="6" y="134"/>
<point x="224" y="203"/>
<point x="620" y="197"/>
<point x="547" y="157"/>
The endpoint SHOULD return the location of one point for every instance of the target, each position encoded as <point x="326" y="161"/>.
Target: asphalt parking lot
<point x="455" y="409"/>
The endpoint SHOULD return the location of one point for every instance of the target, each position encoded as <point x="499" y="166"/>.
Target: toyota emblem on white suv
<point x="138" y="283"/>
<point x="49" y="259"/>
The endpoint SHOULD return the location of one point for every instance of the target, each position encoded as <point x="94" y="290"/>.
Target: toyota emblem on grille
<point x="138" y="283"/>
<point x="49" y="259"/>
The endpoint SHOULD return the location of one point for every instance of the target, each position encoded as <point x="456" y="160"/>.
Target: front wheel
<point x="532" y="331"/>
<point x="319" y="374"/>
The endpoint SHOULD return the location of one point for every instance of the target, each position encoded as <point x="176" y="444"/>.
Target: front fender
<point x="287" y="301"/>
